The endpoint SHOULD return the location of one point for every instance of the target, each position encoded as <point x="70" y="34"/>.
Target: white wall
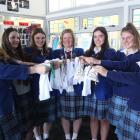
<point x="37" y="8"/>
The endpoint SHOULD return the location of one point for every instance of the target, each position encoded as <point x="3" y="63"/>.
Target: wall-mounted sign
<point x="23" y="24"/>
<point x="8" y="22"/>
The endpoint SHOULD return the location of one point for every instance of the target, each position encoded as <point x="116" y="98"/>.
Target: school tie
<point x="68" y="55"/>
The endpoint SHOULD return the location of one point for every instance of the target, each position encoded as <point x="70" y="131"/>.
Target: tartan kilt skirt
<point x="116" y="109"/>
<point x="10" y="128"/>
<point x="45" y="111"/>
<point x="71" y="106"/>
<point x="24" y="107"/>
<point x="129" y="125"/>
<point x="96" y="108"/>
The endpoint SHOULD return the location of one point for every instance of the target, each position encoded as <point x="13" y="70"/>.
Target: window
<point x="136" y="17"/>
<point x="58" y="5"/>
<point x="89" y="2"/>
<point x="90" y="22"/>
<point x="114" y="39"/>
<point x="57" y="26"/>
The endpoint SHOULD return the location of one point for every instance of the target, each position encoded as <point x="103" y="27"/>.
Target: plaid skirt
<point x="116" y="109"/>
<point x="24" y="107"/>
<point x="45" y="111"/>
<point x="96" y="108"/>
<point x="71" y="106"/>
<point x="129" y="125"/>
<point x="10" y="129"/>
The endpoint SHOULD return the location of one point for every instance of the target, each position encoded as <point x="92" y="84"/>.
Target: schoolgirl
<point x="129" y="126"/>
<point x="9" y="125"/>
<point x="71" y="103"/>
<point x="131" y="43"/>
<point x="39" y="52"/>
<point x="96" y="105"/>
<point x="24" y="97"/>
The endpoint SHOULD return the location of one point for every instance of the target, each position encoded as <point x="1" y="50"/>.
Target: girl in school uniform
<point x="96" y="104"/>
<point x="39" y="52"/>
<point x="131" y="44"/>
<point x="9" y="70"/>
<point x="128" y="127"/>
<point x="24" y="97"/>
<point x="71" y="103"/>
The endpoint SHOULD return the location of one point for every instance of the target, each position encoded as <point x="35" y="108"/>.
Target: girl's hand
<point x="101" y="70"/>
<point x="40" y="69"/>
<point x="90" y="60"/>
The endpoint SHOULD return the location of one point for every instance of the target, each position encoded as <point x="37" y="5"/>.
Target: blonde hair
<point x="132" y="30"/>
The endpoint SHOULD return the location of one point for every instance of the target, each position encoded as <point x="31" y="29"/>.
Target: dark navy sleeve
<point x="130" y="78"/>
<point x="117" y="65"/>
<point x="121" y="65"/>
<point x="10" y="72"/>
<point x="57" y="54"/>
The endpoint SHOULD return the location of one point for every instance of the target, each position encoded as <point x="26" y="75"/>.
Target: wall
<point x="37" y="8"/>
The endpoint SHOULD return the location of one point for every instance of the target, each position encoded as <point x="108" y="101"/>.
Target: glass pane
<point x="89" y="2"/>
<point x="136" y="17"/>
<point x="83" y="40"/>
<point x="57" y="26"/>
<point x="53" y="7"/>
<point x="56" y="5"/>
<point x="114" y="39"/>
<point x="100" y="21"/>
<point x="65" y="4"/>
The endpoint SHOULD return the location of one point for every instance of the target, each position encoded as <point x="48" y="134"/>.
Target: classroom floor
<point x="84" y="134"/>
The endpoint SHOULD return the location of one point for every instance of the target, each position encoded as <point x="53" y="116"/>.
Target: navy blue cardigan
<point x="129" y="65"/>
<point x="59" y="53"/>
<point x="123" y="63"/>
<point x="103" y="89"/>
<point x="37" y="59"/>
<point x="131" y="88"/>
<point x="8" y="73"/>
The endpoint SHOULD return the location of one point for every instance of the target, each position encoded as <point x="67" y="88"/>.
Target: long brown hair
<point x="33" y="45"/>
<point x="13" y="54"/>
<point x="6" y="45"/>
<point x="3" y="56"/>
<point x="104" y="46"/>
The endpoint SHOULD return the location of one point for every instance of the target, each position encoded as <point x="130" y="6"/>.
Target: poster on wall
<point x="24" y="4"/>
<point x="2" y="1"/>
<point x="12" y="5"/>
